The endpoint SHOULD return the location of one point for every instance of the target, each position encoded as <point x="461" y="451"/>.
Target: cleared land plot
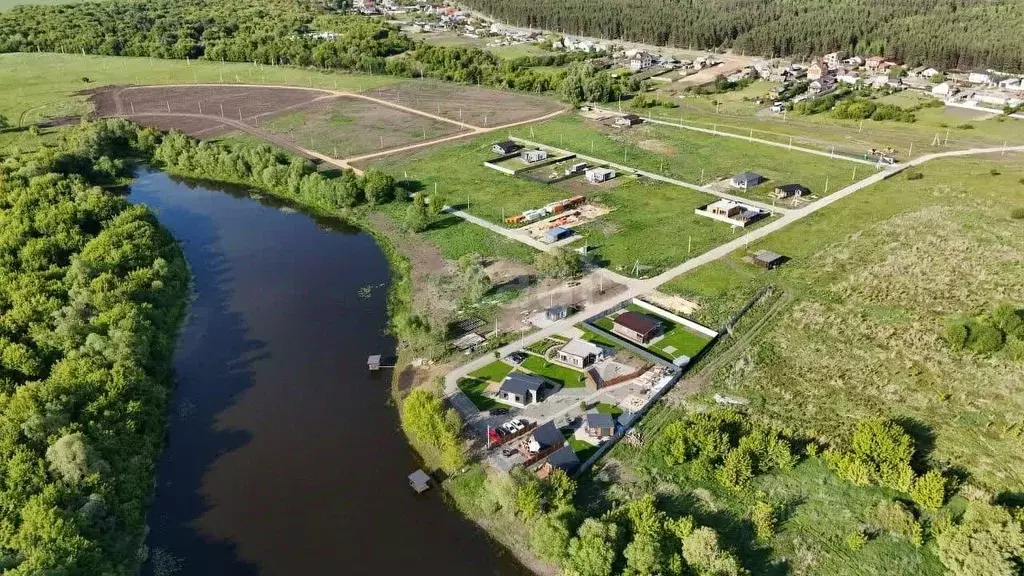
<point x="342" y="127"/>
<point x="469" y="104"/>
<point x="235" y="101"/>
<point x="41" y="86"/>
<point x="567" y="377"/>
<point x="874" y="279"/>
<point x="653" y="224"/>
<point x="691" y="156"/>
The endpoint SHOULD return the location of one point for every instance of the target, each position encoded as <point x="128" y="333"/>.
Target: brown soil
<point x="479" y="106"/>
<point x="429" y="268"/>
<point x="189" y="125"/>
<point x="249" y="100"/>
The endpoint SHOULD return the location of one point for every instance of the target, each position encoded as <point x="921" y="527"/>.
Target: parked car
<point x="517" y="357"/>
<point x="508" y="452"/>
<point x="498" y="411"/>
<point x="516" y="425"/>
<point x="519" y="422"/>
<point x="509" y="427"/>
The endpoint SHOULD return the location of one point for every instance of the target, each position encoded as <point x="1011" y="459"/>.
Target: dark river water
<point x="283" y="456"/>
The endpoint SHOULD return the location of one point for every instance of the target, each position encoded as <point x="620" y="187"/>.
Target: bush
<point x="736" y="470"/>
<point x="1017" y="213"/>
<point x="987" y="541"/>
<point x="856" y="540"/>
<point x="955" y="334"/>
<point x="985" y="338"/>
<point x="994" y="172"/>
<point x="912" y="175"/>
<point x="929" y="491"/>
<point x="549" y="537"/>
<point x="895" y="518"/>
<point x="763" y="517"/>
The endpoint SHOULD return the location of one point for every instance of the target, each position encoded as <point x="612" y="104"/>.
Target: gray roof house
<point x="556" y="312"/>
<point x="521" y="389"/>
<point x="564" y="459"/>
<point x="546" y="437"/>
<point x="746" y="180"/>
<point x="598" y="424"/>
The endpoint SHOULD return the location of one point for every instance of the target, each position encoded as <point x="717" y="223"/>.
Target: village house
<point x="746" y="180"/>
<point x="979" y="77"/>
<point x="834" y="59"/>
<point x="944" y="89"/>
<point x="817" y="70"/>
<point x="556" y="313"/>
<point x="579" y="353"/>
<point x="544" y="439"/>
<point x="521" y="389"/>
<point x="599" y="175"/>
<point x="854" y="61"/>
<point x="636" y="327"/>
<point x="822" y="85"/>
<point x="640" y="61"/>
<point x="599" y="425"/>
<point x="627" y="120"/>
<point x="851" y="79"/>
<point x="505" y="147"/>
<point x="531" y="156"/>
<point x="929" y="73"/>
<point x="731" y="212"/>
<point x="563" y="459"/>
<point x="790" y="191"/>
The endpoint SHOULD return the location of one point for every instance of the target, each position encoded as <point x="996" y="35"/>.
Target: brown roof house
<point x="636" y="327"/>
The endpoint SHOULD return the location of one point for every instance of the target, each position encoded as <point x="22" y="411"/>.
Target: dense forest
<point x="947" y="33"/>
<point x="91" y="293"/>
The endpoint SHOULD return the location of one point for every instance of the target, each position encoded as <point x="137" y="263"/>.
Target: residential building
<point x="790" y="191"/>
<point x="505" y="147"/>
<point x="556" y="313"/>
<point x="640" y="61"/>
<point x="731" y="212"/>
<point x="599" y="425"/>
<point x="598" y="175"/>
<point x="979" y="77"/>
<point x="817" y="69"/>
<point x="563" y="459"/>
<point x="878" y="64"/>
<point x="848" y="79"/>
<point x="929" y="72"/>
<point x="822" y="85"/>
<point x="531" y="156"/>
<point x="768" y="260"/>
<point x="636" y="327"/>
<point x="854" y="61"/>
<point x="834" y="59"/>
<point x="1011" y="84"/>
<point x="746" y="180"/>
<point x="628" y="120"/>
<point x="944" y="89"/>
<point x="545" y="438"/>
<point x="579" y="353"/>
<point x="879" y="81"/>
<point x="521" y="389"/>
<point x="555" y="234"/>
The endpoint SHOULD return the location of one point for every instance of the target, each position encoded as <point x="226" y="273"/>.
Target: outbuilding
<point x="564" y="459"/>
<point x="628" y="120"/>
<point x="599" y="425"/>
<point x="768" y="260"/>
<point x="636" y="327"/>
<point x="531" y="156"/>
<point x="556" y="313"/>
<point x="555" y="234"/>
<point x="419" y="481"/>
<point x="790" y="191"/>
<point x="746" y="180"/>
<point x="505" y="147"/>
<point x="599" y="175"/>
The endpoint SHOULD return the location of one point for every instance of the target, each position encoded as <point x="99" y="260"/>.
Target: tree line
<point x="942" y="33"/>
<point x="92" y="290"/>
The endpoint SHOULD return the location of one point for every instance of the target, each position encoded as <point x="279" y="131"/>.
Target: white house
<point x="579" y="353"/>
<point x="929" y="72"/>
<point x="848" y="79"/>
<point x="640" y="61"/>
<point x="979" y="77"/>
<point x="944" y="89"/>
<point x="1012" y="84"/>
<point x="598" y="175"/>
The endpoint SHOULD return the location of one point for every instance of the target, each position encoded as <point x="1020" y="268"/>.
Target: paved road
<point x="636" y="288"/>
<point x="750" y="139"/>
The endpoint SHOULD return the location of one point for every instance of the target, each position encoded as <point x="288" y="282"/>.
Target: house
<point x="599" y="425"/>
<point x="929" y="72"/>
<point x="556" y="313"/>
<point x="944" y="89"/>
<point x="746" y="180"/>
<point x="854" y="61"/>
<point x="790" y="191"/>
<point x="817" y="69"/>
<point x="640" y="61"/>
<point x="878" y="64"/>
<point x="531" y="156"/>
<point x="563" y="459"/>
<point x="555" y="234"/>
<point x="545" y="438"/>
<point x="579" y="353"/>
<point x="1011" y="84"/>
<point x="627" y="120"/>
<point x="879" y="81"/>
<point x="848" y="79"/>
<point x="505" y="147"/>
<point x="822" y="85"/>
<point x="521" y="389"/>
<point x="636" y="327"/>
<point x="576" y="168"/>
<point x="768" y="260"/>
<point x="599" y="175"/>
<point x="726" y="208"/>
<point x="979" y="77"/>
<point x="731" y="212"/>
<point x="833" y="59"/>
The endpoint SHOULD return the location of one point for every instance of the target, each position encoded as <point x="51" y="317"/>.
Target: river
<point x="283" y="455"/>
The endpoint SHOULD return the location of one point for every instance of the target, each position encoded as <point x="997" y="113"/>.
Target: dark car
<point x="498" y="411"/>
<point x="517" y="357"/>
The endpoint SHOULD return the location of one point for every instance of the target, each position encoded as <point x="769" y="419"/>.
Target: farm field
<point x="42" y="86"/>
<point x="343" y="127"/>
<point x="887" y="269"/>
<point x="469" y="104"/>
<point x="687" y="155"/>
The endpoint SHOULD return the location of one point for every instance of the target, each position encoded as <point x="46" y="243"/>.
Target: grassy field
<point x="583" y="450"/>
<point x="692" y="156"/>
<point x="348" y="127"/>
<point x="872" y="290"/>
<point x="474" y="389"/>
<point x="567" y="377"/>
<point x="40" y="86"/>
<point x="606" y="408"/>
<point x="8" y="4"/>
<point x="495" y="371"/>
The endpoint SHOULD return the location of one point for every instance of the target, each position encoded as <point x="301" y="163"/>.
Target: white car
<point x="517" y="425"/>
<point x="508" y="426"/>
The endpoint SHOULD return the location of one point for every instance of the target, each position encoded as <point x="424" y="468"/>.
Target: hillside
<point x="947" y="33"/>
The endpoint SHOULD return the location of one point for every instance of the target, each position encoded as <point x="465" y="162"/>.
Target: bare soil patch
<point x="206" y="128"/>
<point x="429" y="269"/>
<point x="470" y="104"/>
<point x="247" y="101"/>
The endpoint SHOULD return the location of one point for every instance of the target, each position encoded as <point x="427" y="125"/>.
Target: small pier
<point x="378" y="361"/>
<point x="419" y="481"/>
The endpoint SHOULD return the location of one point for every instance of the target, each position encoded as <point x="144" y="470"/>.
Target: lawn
<point x="45" y="85"/>
<point x="542" y="346"/>
<point x="693" y="156"/>
<point x="874" y="278"/>
<point x="679" y="341"/>
<point x="606" y="408"/>
<point x="583" y="450"/>
<point x="567" y="377"/>
<point x="494" y="372"/>
<point x="348" y="126"/>
<point x="652" y="226"/>
<point x="474" y="389"/>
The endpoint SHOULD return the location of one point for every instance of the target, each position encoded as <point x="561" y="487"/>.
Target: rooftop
<point x="747" y="177"/>
<point x="520" y="383"/>
<point x="767" y="256"/>
<point x="547" y="435"/>
<point x="581" y="348"/>
<point x="564" y="458"/>
<point x="599" y="420"/>
<point x="637" y="322"/>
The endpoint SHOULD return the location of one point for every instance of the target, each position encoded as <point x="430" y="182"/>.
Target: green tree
<point x="475" y="282"/>
<point x="4" y="123"/>
<point x="559" y="490"/>
<point x="762" y="515"/>
<point x="955" y="334"/>
<point x="529" y="496"/>
<point x="702" y="552"/>
<point x="592" y="551"/>
<point x="416" y="218"/>
<point x="986" y="542"/>
<point x="898" y="520"/>
<point x="559" y="263"/>
<point x="929" y="491"/>
<point x="549" y="537"/>
<point x="72" y="459"/>
<point x="378" y="187"/>
<point x="985" y="338"/>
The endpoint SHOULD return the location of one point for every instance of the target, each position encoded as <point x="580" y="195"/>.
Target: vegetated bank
<point x="93" y="293"/>
<point x="962" y="34"/>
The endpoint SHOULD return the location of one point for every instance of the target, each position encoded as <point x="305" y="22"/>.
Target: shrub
<point x="1015" y="349"/>
<point x="856" y="540"/>
<point x="1018" y="213"/>
<point x="985" y="338"/>
<point x="549" y="537"/>
<point x="894" y="517"/>
<point x="955" y="334"/>
<point x="914" y="175"/>
<point x="763" y="517"/>
<point x="994" y="172"/>
<point x="988" y="541"/>
<point x="929" y="491"/>
<point x="965" y="127"/>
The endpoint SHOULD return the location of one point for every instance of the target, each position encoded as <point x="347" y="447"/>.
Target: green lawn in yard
<point x="685" y="341"/>
<point x="583" y="450"/>
<point x="44" y="85"/>
<point x="599" y="339"/>
<point x="495" y="371"/>
<point x="567" y="377"/>
<point x="873" y="279"/>
<point x="687" y="155"/>
<point x="606" y="408"/>
<point x="474" y="388"/>
<point x="542" y="346"/>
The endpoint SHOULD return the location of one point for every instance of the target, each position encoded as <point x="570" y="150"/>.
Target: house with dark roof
<point x="505" y="147"/>
<point x="636" y="327"/>
<point x="790" y="191"/>
<point x="545" y="438"/>
<point x="557" y="312"/>
<point x="521" y="389"/>
<point x="555" y="234"/>
<point x="768" y="260"/>
<point x="599" y="425"/>
<point x="563" y="459"/>
<point x="627" y="120"/>
<point x="746" y="180"/>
